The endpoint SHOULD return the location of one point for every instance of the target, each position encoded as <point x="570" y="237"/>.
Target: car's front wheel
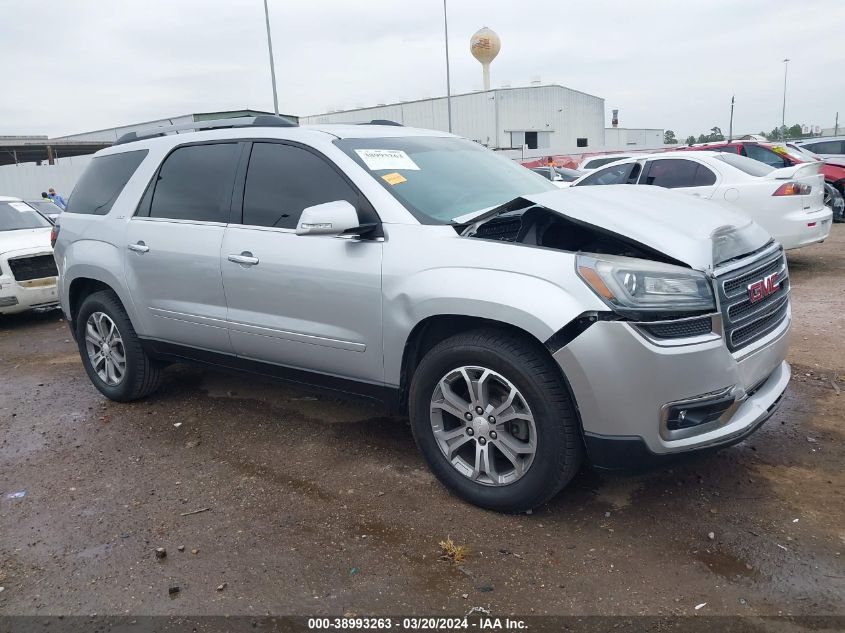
<point x="111" y="351"/>
<point x="492" y="417"/>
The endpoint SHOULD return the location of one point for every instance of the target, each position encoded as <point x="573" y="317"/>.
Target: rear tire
<point x="111" y="351"/>
<point x="486" y="367"/>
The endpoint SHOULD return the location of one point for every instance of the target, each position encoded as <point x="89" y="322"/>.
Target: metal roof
<point x="32" y="149"/>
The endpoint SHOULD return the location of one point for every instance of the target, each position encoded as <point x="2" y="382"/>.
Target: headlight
<point x="634" y="287"/>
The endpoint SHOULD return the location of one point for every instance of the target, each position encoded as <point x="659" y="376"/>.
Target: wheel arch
<point x="436" y="328"/>
<point x="85" y="285"/>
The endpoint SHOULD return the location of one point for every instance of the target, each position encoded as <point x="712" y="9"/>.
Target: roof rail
<point x="382" y="122"/>
<point x="261" y="120"/>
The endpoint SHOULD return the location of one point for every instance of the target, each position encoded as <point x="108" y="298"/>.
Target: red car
<point x="776" y="155"/>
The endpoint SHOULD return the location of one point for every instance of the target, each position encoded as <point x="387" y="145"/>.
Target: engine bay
<point x="535" y="225"/>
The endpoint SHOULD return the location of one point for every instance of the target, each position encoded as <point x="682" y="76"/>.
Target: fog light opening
<point x="687" y="415"/>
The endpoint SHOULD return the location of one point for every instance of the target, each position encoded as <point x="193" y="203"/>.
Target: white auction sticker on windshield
<point x="20" y="206"/>
<point x="376" y="159"/>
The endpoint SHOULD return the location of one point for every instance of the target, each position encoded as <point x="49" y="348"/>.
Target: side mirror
<point x="329" y="218"/>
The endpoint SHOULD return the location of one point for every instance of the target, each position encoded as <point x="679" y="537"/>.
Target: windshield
<point x="802" y="154"/>
<point x="19" y="215"/>
<point x="45" y="207"/>
<point x="439" y="179"/>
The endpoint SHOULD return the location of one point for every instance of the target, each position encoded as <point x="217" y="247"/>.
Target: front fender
<point x="533" y="304"/>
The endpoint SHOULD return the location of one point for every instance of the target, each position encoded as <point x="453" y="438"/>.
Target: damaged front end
<point x="651" y="255"/>
<point x="685" y="357"/>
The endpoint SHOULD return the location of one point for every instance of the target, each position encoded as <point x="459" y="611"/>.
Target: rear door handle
<point x="244" y="259"/>
<point x="139" y="247"/>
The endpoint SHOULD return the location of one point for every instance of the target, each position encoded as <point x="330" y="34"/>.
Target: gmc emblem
<point x="761" y="289"/>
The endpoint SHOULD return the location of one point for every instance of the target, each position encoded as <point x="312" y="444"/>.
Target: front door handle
<point x="139" y="247"/>
<point x="244" y="259"/>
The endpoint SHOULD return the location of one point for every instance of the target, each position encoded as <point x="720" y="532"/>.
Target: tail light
<point x="793" y="189"/>
<point x="54" y="235"/>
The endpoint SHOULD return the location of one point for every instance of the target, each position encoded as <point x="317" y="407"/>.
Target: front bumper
<point x="624" y="384"/>
<point x="20" y="296"/>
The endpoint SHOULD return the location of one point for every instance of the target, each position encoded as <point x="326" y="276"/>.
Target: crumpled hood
<point x="697" y="232"/>
<point x="25" y="239"/>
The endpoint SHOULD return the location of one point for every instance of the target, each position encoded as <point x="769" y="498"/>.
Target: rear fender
<point x="99" y="261"/>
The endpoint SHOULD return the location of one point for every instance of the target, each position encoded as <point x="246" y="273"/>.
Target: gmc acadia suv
<point x="520" y="326"/>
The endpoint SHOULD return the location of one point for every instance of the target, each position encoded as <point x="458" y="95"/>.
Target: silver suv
<point x="519" y="326"/>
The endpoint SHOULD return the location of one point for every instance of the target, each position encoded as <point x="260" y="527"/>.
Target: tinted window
<point x="748" y="165"/>
<point x="103" y="181"/>
<point x="826" y="147"/>
<point x="615" y="175"/>
<point x="764" y="155"/>
<point x="195" y="183"/>
<point x="18" y="215"/>
<point x="282" y="180"/>
<point x="678" y="173"/>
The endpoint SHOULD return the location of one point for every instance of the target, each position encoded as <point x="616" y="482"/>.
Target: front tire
<point x="111" y="351"/>
<point x="493" y="418"/>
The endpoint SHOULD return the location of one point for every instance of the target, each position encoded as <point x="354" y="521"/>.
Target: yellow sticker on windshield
<point x="394" y="179"/>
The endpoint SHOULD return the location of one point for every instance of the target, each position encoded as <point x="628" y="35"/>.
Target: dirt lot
<point x="317" y="506"/>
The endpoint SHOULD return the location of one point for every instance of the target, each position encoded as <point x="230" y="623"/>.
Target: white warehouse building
<point x="539" y="117"/>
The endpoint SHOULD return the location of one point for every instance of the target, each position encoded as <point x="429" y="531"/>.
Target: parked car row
<point x="831" y="149"/>
<point x="788" y="202"/>
<point x="523" y="328"/>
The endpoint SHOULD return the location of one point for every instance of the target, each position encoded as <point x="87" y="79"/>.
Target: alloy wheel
<point x="483" y="425"/>
<point x="105" y="348"/>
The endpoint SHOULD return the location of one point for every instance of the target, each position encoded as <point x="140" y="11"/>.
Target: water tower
<point x="484" y="46"/>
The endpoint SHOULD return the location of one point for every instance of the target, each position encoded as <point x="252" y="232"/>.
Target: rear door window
<point x="282" y="180"/>
<point x="103" y="181"/>
<point x="677" y="173"/>
<point x="195" y="183"/>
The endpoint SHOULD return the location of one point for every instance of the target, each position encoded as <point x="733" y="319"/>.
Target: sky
<point x="74" y="66"/>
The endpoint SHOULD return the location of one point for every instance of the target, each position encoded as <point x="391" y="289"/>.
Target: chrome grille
<point x="745" y="322"/>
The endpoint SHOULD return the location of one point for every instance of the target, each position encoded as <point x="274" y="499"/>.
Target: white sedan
<point x="787" y="202"/>
<point x="27" y="268"/>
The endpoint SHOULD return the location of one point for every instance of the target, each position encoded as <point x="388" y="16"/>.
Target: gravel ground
<point x="316" y="506"/>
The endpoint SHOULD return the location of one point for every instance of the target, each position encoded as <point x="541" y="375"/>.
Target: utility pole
<point x="448" y="79"/>
<point x="783" y="114"/>
<point x="272" y="64"/>
<point x="836" y="126"/>
<point x="731" y="125"/>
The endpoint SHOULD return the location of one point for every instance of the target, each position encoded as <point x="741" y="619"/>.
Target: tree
<point x="669" y="138"/>
<point x="702" y="138"/>
<point x="716" y="134"/>
<point x="794" y="131"/>
<point x="690" y="140"/>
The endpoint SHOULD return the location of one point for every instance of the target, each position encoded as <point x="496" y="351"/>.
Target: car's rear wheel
<point x="111" y="351"/>
<point x="492" y="416"/>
